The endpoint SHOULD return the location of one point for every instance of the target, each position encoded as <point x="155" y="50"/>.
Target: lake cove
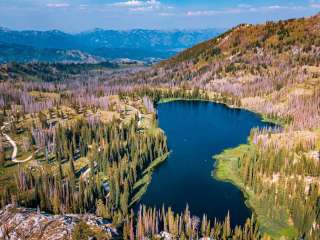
<point x="196" y="131"/>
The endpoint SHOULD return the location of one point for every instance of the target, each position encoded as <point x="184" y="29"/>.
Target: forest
<point x="85" y="138"/>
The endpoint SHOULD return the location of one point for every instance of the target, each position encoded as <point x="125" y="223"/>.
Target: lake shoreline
<point x="223" y="170"/>
<point x="227" y="108"/>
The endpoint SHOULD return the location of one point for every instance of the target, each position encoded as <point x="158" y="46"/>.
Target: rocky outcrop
<point x="24" y="223"/>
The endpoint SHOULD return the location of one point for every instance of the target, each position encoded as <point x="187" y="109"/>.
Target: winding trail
<point x="14" y="146"/>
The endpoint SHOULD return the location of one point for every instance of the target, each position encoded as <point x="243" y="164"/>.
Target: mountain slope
<point x="246" y="38"/>
<point x="272" y="68"/>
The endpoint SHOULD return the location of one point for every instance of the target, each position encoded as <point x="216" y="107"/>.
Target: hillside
<point x="275" y="37"/>
<point x="273" y="68"/>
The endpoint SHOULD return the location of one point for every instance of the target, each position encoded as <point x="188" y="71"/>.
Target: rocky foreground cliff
<point x="24" y="223"/>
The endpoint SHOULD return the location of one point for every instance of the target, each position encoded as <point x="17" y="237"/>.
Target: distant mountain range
<point x="97" y="45"/>
<point x="22" y="53"/>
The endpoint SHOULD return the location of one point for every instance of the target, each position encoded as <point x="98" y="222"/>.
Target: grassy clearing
<point x="167" y="100"/>
<point x="276" y="121"/>
<point x="227" y="170"/>
<point x="227" y="164"/>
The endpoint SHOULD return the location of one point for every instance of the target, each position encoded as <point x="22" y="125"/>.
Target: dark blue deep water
<point x="196" y="131"/>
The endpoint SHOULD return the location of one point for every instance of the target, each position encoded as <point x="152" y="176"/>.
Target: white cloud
<point x="274" y="7"/>
<point x="244" y="6"/>
<point x="140" y="9"/>
<point x="131" y="3"/>
<point x="314" y="4"/>
<point x="139" y="5"/>
<point x="58" y="5"/>
<point x="83" y="6"/>
<point x="213" y="12"/>
<point x="166" y="14"/>
<point x="243" y="9"/>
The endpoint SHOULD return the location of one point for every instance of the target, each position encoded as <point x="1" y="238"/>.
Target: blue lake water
<point x="196" y="131"/>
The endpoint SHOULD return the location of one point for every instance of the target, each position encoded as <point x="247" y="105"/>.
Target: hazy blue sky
<point x="79" y="15"/>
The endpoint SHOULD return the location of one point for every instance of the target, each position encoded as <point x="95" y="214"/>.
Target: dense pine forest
<point x="78" y="139"/>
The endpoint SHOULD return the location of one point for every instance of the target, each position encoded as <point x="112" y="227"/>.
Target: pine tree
<point x="2" y="154"/>
<point x="100" y="209"/>
<point x="124" y="199"/>
<point x="71" y="167"/>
